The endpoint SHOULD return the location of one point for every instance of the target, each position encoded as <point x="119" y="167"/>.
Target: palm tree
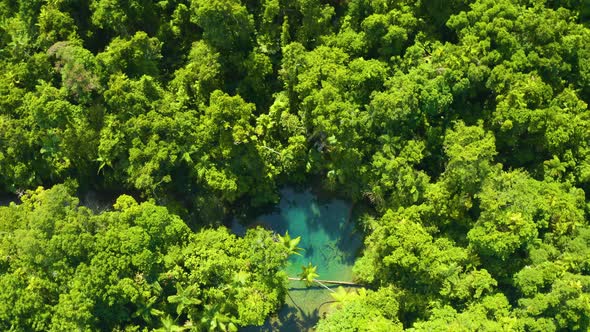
<point x="169" y="325"/>
<point x="291" y="244"/>
<point x="184" y="297"/>
<point x="309" y="275"/>
<point x="146" y="309"/>
<point x="214" y="319"/>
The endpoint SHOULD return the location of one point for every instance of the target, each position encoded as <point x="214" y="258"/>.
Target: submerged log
<point x="336" y="282"/>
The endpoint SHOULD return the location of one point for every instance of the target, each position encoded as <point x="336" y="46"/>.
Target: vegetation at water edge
<point x="464" y="124"/>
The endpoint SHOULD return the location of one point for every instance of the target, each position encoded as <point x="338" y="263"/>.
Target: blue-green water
<point x="330" y="242"/>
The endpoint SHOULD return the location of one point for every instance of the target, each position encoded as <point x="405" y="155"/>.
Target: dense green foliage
<point x="463" y="123"/>
<point x="65" y="268"/>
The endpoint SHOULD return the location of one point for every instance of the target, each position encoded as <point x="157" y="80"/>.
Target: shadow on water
<point x="6" y="199"/>
<point x="330" y="242"/>
<point x="291" y="318"/>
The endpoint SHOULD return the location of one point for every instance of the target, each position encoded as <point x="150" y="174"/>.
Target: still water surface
<point x="330" y="242"/>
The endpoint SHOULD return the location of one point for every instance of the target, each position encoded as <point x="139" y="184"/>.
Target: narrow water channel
<point x="330" y="242"/>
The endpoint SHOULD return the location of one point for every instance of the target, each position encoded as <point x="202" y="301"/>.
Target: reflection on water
<point x="330" y="242"/>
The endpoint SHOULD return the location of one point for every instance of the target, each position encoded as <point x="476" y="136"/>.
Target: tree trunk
<point x="336" y="282"/>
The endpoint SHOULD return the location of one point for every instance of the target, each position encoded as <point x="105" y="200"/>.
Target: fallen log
<point x="335" y="282"/>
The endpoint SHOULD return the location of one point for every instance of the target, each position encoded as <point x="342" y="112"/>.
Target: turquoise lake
<point x="330" y="242"/>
